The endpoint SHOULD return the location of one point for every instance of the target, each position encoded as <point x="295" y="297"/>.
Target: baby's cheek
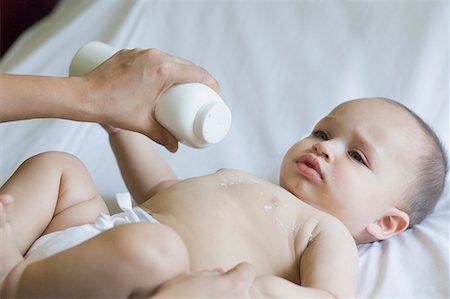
<point x="343" y="188"/>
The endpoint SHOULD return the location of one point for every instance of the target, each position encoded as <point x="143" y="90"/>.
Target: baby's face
<point x="356" y="163"/>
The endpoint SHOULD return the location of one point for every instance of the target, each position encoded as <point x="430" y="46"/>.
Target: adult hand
<point x="121" y="92"/>
<point x="126" y="87"/>
<point x="236" y="282"/>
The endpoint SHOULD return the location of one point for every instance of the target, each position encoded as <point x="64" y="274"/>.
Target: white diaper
<point x="55" y="242"/>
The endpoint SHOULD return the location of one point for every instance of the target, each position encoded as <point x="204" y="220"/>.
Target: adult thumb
<point x="241" y="277"/>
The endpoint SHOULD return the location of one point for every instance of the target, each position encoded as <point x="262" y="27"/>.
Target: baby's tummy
<point x="212" y="241"/>
<point x="221" y="232"/>
<point x="220" y="240"/>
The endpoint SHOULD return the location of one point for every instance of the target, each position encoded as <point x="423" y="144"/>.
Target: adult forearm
<point x="26" y="97"/>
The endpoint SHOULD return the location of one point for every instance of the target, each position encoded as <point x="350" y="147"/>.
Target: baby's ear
<point x="392" y="223"/>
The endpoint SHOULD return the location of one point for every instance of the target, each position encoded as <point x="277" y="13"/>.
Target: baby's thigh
<point x="46" y="187"/>
<point x="146" y="254"/>
<point x="130" y="260"/>
<point x="156" y="250"/>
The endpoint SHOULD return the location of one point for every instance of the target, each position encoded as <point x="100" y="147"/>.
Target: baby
<point x="369" y="170"/>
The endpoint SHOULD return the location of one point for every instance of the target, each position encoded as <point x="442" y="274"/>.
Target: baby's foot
<point x="10" y="255"/>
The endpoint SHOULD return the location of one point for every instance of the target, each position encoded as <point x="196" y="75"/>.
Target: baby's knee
<point x="170" y="252"/>
<point x="53" y="159"/>
<point x="152" y="249"/>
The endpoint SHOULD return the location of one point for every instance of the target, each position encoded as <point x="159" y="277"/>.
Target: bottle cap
<point x="212" y="122"/>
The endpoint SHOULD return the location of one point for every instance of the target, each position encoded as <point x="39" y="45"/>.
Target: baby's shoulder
<point x="329" y="224"/>
<point x="320" y="226"/>
<point x="319" y="220"/>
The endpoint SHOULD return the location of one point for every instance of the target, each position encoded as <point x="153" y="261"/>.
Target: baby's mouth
<point x="309" y="166"/>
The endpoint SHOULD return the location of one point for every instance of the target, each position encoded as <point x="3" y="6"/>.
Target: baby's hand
<point x="110" y="129"/>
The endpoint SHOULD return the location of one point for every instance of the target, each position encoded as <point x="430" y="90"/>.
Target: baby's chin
<point x="320" y="205"/>
<point x="310" y="201"/>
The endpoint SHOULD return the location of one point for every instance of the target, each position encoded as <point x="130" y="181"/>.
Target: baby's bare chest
<point x="230" y="217"/>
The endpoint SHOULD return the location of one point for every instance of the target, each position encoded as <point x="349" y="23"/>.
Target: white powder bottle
<point x="193" y="112"/>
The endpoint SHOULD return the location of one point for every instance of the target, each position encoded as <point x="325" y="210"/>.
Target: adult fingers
<point x="188" y="73"/>
<point x="5" y="201"/>
<point x="213" y="272"/>
<point x="240" y="278"/>
<point x="160" y="135"/>
<point x="242" y="271"/>
<point x="182" y="60"/>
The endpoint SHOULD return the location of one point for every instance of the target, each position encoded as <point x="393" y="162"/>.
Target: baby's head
<point x="372" y="163"/>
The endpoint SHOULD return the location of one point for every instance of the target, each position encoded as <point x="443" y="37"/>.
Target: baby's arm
<point x="145" y="173"/>
<point x="328" y="267"/>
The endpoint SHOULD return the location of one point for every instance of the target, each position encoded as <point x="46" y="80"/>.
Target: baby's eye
<point x="357" y="157"/>
<point x="320" y="134"/>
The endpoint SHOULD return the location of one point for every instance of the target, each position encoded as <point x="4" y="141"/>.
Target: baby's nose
<point x="323" y="150"/>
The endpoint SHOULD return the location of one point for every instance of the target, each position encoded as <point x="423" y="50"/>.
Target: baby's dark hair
<point x="421" y="196"/>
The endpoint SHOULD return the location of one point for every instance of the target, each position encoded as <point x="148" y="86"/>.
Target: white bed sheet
<point x="282" y="65"/>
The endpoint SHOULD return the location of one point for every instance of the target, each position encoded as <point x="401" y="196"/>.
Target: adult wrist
<point x="81" y="104"/>
<point x="27" y="97"/>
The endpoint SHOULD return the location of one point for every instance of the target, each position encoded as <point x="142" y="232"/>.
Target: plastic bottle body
<point x="193" y="112"/>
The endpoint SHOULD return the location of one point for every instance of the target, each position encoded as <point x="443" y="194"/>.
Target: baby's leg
<point x="52" y="191"/>
<point x="130" y="260"/>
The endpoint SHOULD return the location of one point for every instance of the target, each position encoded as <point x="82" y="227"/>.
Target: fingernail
<point x="174" y="147"/>
<point x="171" y="148"/>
